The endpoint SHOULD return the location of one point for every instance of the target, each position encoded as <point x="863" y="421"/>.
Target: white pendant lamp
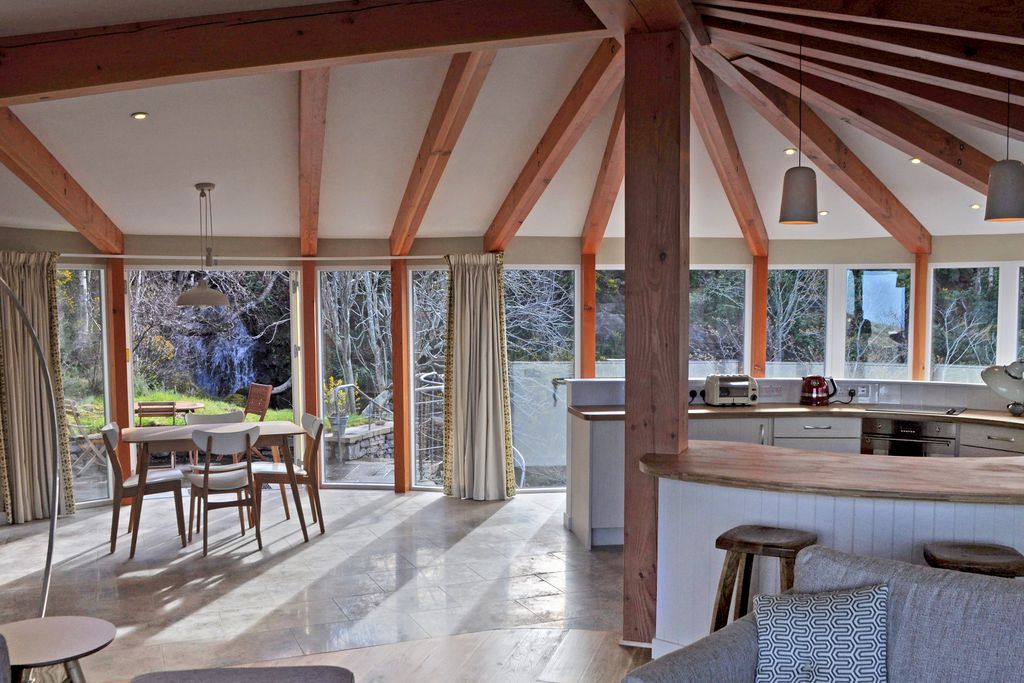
<point x="799" y="186"/>
<point x="202" y="294"/>
<point x="1005" y="183"/>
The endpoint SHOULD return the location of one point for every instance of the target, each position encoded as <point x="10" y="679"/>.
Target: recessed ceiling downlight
<point x="823" y="212"/>
<point x="976" y="206"/>
<point x="140" y="115"/>
<point x="790" y="151"/>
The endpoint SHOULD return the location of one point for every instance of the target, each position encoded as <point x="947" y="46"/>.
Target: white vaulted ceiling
<point x="241" y="133"/>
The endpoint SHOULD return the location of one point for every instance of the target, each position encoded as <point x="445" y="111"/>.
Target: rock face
<point x="374" y="442"/>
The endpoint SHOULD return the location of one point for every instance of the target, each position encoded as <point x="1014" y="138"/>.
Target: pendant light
<point x="799" y="186"/>
<point x="1006" y="183"/>
<point x="202" y="294"/>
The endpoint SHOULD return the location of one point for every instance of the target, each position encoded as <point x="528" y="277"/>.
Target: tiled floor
<point x="390" y="568"/>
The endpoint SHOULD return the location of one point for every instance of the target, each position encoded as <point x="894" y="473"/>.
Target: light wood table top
<point x="55" y="640"/>
<point x="166" y="437"/>
<point x="771" y="468"/>
<point x="993" y="418"/>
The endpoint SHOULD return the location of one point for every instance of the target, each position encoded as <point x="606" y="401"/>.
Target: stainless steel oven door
<point x="877" y="444"/>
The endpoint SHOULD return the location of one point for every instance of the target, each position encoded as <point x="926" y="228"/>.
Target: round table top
<point x="53" y="640"/>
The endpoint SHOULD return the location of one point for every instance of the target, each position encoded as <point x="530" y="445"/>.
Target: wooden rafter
<point x="609" y="182"/>
<point x="886" y="120"/>
<point x="737" y="37"/>
<point x="104" y="59"/>
<point x="996" y="58"/>
<point x="28" y="158"/>
<point x="826" y="150"/>
<point x="313" y="84"/>
<point x="713" y="124"/>
<point x="466" y="74"/>
<point x="599" y="79"/>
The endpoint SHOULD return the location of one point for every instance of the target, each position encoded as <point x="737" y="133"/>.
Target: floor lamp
<point x="55" y="432"/>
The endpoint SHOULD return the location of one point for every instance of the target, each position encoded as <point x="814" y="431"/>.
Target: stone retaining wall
<point x="376" y="442"/>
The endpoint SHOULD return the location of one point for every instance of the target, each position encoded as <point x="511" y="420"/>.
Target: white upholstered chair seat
<point x="221" y="480"/>
<point x="154" y="477"/>
<point x="264" y="467"/>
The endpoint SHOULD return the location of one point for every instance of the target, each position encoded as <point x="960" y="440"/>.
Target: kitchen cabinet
<point x="820" y="444"/>
<point x="829" y="434"/>
<point x="985" y="438"/>
<point x="742" y="429"/>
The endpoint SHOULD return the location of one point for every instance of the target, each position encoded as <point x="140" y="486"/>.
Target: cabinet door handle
<point x="764" y="435"/>
<point x="817" y="426"/>
<point x="1007" y="439"/>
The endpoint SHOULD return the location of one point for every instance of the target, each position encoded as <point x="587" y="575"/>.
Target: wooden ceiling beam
<point x="104" y="59"/>
<point x="1002" y="20"/>
<point x="609" y="182"/>
<point x="996" y="58"/>
<point x="981" y="112"/>
<point x="886" y="120"/>
<point x="826" y="150"/>
<point x="27" y="157"/>
<point x="734" y="36"/>
<point x="466" y="74"/>
<point x="602" y="75"/>
<point x="313" y="84"/>
<point x="713" y="124"/>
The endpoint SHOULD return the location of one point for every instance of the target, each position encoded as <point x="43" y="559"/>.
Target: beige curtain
<point x="477" y="412"/>
<point x="26" y="447"/>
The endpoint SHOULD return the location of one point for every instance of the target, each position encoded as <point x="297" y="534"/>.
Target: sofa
<point x="942" y="625"/>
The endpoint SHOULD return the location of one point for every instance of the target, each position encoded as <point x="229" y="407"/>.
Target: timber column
<point x="657" y="298"/>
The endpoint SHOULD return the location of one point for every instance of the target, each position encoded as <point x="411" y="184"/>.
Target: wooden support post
<point x="759" y="317"/>
<point x="657" y="300"/>
<point x="118" y="400"/>
<point x="310" y="339"/>
<point x="919" y="357"/>
<point x="401" y="375"/>
<point x="588" y="316"/>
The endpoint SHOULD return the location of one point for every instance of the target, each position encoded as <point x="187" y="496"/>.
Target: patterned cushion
<point x="838" y="636"/>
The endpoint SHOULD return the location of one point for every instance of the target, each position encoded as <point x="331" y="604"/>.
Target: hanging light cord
<point x="800" y="111"/>
<point x="1007" y="119"/>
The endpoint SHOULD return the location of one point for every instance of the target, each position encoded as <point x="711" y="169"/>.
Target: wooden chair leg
<point x="312" y="503"/>
<point x="726" y="585"/>
<point x="192" y="513"/>
<point x="275" y="453"/>
<point x="319" y="509"/>
<point x="743" y="587"/>
<point x="206" y="525"/>
<point x="258" y="505"/>
<point x="241" y="512"/>
<point x="115" y="515"/>
<point x="259" y="538"/>
<point x="180" y="511"/>
<point x="787" y="570"/>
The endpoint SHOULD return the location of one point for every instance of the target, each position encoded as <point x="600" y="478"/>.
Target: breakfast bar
<point x="872" y="505"/>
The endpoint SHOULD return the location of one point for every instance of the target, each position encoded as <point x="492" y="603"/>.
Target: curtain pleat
<point x="25" y="410"/>
<point x="477" y="409"/>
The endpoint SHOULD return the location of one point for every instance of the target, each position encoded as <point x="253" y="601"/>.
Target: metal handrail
<point x="334" y="397"/>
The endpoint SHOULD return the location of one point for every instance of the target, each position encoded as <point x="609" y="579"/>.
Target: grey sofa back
<point x="5" y="662"/>
<point x="943" y="625"/>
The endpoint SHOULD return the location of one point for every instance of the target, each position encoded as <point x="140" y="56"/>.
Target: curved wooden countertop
<point x="771" y="468"/>
<point x="994" y="418"/>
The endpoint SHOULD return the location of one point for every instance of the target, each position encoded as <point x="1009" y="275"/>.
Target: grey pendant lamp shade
<point x="202" y="294"/>
<point x="799" y="197"/>
<point x="1006" y="183"/>
<point x="800" y="185"/>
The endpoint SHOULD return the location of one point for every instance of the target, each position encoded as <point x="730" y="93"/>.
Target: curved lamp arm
<point x="54" y="504"/>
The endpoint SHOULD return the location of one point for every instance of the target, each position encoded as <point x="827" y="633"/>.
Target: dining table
<point x="177" y="438"/>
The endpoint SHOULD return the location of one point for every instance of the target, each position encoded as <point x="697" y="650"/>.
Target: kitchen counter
<point x="997" y="480"/>
<point x="981" y="417"/>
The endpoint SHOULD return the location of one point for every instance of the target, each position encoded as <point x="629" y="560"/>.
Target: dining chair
<point x="235" y="478"/>
<point x="257" y="402"/>
<point x="192" y="419"/>
<point x="155" y="409"/>
<point x="157" y="481"/>
<point x="307" y="474"/>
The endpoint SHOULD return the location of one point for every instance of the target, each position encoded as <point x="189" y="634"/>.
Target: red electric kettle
<point x="817" y="390"/>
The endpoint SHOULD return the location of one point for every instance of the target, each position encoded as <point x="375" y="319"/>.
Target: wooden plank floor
<point x="543" y="655"/>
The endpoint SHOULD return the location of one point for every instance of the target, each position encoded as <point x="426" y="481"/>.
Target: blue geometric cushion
<point x="837" y="637"/>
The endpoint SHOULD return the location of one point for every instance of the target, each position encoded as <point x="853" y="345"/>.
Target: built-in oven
<point x="915" y="438"/>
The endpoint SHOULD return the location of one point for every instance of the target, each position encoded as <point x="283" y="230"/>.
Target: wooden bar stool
<point x="743" y="543"/>
<point x="976" y="558"/>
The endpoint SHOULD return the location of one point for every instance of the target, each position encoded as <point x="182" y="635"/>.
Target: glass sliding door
<point x="83" y="370"/>
<point x="355" y="319"/>
<point x="797" y="315"/>
<point x="965" y="310"/>
<point x="877" y="316"/>
<point x="540" y="320"/>
<point x="429" y="323"/>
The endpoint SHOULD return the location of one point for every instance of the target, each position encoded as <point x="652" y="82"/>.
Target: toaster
<point x="730" y="390"/>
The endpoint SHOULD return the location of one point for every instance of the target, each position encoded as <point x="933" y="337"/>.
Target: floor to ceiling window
<point x="429" y="322"/>
<point x="717" y="321"/>
<point x="355" y="319"/>
<point x="205" y="358"/>
<point x="877" y="318"/>
<point x="540" y="321"/>
<point x="80" y="312"/>
<point x="965" y="310"/>
<point x="797" y="315"/>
